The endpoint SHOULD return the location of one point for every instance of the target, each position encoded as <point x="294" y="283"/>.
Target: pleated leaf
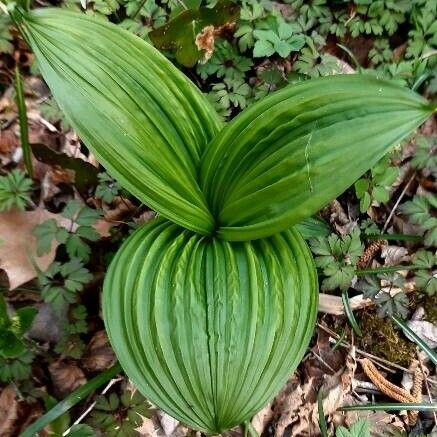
<point x="206" y="329"/>
<point x="285" y="157"/>
<point x="142" y="118"/>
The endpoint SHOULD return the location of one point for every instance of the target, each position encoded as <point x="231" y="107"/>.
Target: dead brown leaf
<point x="18" y="244"/>
<point x="381" y="423"/>
<point x="8" y="142"/>
<point x="99" y="354"/>
<point x="205" y="41"/>
<point x="8" y="411"/>
<point x="65" y="378"/>
<point x="289" y="406"/>
<point x="262" y="418"/>
<point x="427" y="331"/>
<point x="394" y="255"/>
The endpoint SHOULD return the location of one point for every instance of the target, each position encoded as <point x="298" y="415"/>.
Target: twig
<point x="425" y="381"/>
<point x="323" y="362"/>
<point x="398" y="201"/>
<point x="88" y="410"/>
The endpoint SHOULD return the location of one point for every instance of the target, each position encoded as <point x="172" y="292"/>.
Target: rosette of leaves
<point x="337" y="257"/>
<point x="15" y="190"/>
<point x="119" y="416"/>
<point x="387" y="292"/>
<point x="210" y="307"/>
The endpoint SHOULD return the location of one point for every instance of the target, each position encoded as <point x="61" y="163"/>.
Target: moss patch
<point x="383" y="340"/>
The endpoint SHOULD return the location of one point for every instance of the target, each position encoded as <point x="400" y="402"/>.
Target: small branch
<point x="398" y="201"/>
<point x="89" y="409"/>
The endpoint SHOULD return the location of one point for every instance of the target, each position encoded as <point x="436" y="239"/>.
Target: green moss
<point x="430" y="306"/>
<point x="383" y="340"/>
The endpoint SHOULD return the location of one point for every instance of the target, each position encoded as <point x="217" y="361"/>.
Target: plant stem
<point x="134" y="16"/>
<point x="388" y="269"/>
<point x="391" y="406"/>
<point x="350" y="314"/>
<point x="322" y="420"/>
<point x="398" y="201"/>
<point x="24" y="127"/>
<point x="397" y="237"/>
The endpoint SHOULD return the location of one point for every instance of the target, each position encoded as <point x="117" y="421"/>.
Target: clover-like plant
<point x="211" y="306"/>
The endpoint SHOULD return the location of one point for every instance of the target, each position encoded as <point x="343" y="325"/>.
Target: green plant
<point x="5" y="34"/>
<point x="425" y="155"/>
<point x="337" y="257"/>
<point x="376" y="186"/>
<point x="380" y="51"/>
<point x="119" y="416"/>
<point x="375" y="17"/>
<point x="12" y="329"/>
<point x="380" y="288"/>
<point x="279" y="37"/>
<point x="225" y="62"/>
<point x="15" y="190"/>
<point x="419" y="212"/>
<point x="16" y="368"/>
<point x="82" y="219"/>
<point x="23" y="122"/>
<point x="51" y="111"/>
<point x="424" y="277"/>
<point x="60" y="283"/>
<point x="423" y="36"/>
<point x="360" y="428"/>
<point x="108" y="188"/>
<point x="222" y="279"/>
<point x="71" y="344"/>
<point x="369" y="227"/>
<point x="253" y="14"/>
<point x="81" y="430"/>
<point x="229" y="94"/>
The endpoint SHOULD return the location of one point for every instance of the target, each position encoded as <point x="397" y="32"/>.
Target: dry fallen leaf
<point x="289" y="403"/>
<point x="18" y="244"/>
<point x="262" y="418"/>
<point x="8" y="143"/>
<point x="153" y="426"/>
<point x="65" y="378"/>
<point x="427" y="331"/>
<point x="168" y="423"/>
<point x="99" y="354"/>
<point x="394" y="255"/>
<point x="8" y="411"/>
<point x="205" y="41"/>
<point x="381" y="423"/>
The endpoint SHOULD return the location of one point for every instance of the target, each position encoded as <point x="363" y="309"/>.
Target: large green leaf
<point x="144" y="120"/>
<point x="209" y="330"/>
<point x="285" y="157"/>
